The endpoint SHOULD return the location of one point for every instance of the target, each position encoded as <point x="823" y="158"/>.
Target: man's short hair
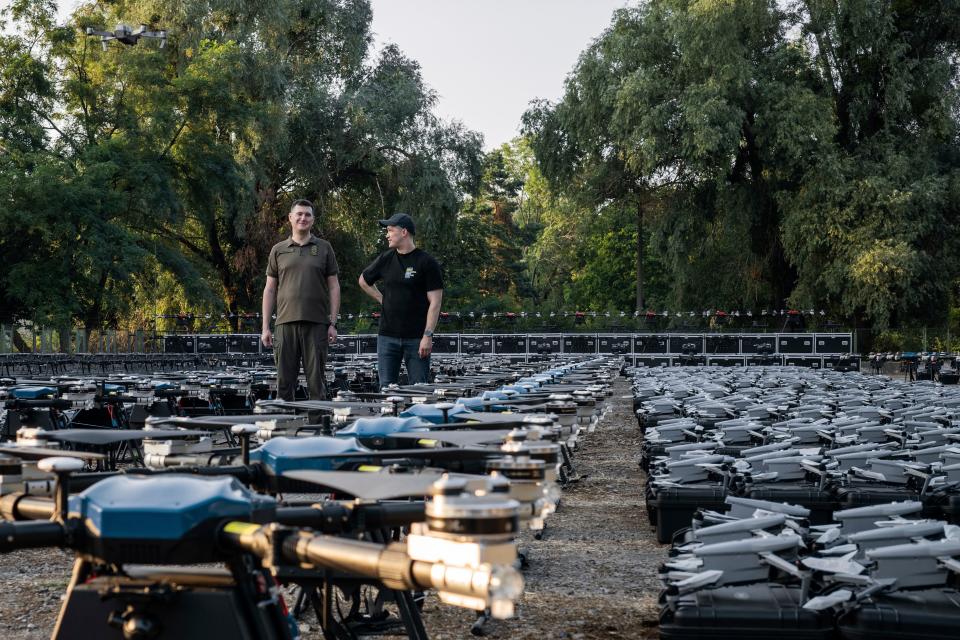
<point x="302" y="203"/>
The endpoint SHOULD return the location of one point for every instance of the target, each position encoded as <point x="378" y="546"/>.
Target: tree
<point x="884" y="195"/>
<point x="490" y="273"/>
<point x="794" y="152"/>
<point x="182" y="161"/>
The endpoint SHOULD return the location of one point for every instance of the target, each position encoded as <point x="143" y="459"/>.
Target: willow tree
<point x="681" y="104"/>
<point x="874" y="229"/>
<point x="801" y="152"/>
<point x="136" y="162"/>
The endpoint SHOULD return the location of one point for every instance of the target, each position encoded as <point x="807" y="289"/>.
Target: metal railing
<point x="30" y="338"/>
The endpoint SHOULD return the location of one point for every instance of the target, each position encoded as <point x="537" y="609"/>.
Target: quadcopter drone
<point x="124" y="34"/>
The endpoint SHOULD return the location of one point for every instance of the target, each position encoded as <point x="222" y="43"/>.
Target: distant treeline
<point x="705" y="155"/>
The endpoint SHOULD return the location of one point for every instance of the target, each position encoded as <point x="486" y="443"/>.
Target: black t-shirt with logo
<point x="406" y="280"/>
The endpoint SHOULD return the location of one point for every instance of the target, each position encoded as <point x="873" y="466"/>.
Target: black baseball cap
<point x="401" y="220"/>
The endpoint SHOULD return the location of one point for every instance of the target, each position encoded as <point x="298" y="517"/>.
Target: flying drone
<point x="125" y="35"/>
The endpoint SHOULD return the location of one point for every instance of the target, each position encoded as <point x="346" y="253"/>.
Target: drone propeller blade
<point x="112" y="436"/>
<point x="36" y="453"/>
<point x="370" y="486"/>
<point x="220" y="421"/>
<point x="446" y="453"/>
<point x="483" y="420"/>
<point x="466" y="437"/>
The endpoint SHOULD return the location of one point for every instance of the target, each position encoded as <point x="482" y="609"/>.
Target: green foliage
<point x="888" y="342"/>
<point x="498" y="228"/>
<point x="797" y="153"/>
<point x="884" y="194"/>
<point x="133" y="166"/>
<point x="705" y="154"/>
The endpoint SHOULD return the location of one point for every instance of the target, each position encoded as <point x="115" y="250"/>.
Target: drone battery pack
<point x="749" y="612"/>
<point x="32" y="393"/>
<point x="930" y="614"/>
<point x="821" y="504"/>
<point x="674" y="506"/>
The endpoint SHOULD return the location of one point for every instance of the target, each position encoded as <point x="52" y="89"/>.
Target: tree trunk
<point x="233" y="312"/>
<point x="19" y="343"/>
<point x="91" y="316"/>
<point x="640" y="255"/>
<point x="221" y="265"/>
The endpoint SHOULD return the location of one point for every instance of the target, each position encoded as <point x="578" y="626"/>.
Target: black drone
<point x="125" y="35"/>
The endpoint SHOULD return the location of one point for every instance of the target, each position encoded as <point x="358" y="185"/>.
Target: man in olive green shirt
<point x="302" y="281"/>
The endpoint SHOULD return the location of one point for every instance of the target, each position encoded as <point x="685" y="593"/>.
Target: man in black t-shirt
<point x="411" y="294"/>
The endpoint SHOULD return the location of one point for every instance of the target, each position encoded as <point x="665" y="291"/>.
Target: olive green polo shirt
<point x="301" y="272"/>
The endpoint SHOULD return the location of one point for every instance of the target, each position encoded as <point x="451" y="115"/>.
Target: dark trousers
<point x="296" y="341"/>
<point x="392" y="351"/>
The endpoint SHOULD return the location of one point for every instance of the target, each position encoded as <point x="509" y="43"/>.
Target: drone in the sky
<point x="126" y="35"/>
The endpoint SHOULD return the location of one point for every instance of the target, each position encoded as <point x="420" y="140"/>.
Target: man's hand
<point x="331" y="334"/>
<point x="266" y="337"/>
<point x="426" y="346"/>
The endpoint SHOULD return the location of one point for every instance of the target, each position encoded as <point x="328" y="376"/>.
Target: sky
<point x="486" y="59"/>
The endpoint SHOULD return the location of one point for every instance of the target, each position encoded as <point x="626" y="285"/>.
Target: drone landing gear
<point x="376" y="621"/>
<point x="568" y="473"/>
<point x="538" y="535"/>
<point x="478" y="628"/>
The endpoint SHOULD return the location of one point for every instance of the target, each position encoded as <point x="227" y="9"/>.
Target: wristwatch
<point x="427" y="333"/>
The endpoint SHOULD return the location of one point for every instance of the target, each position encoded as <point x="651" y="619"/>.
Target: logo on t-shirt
<point x="409" y="273"/>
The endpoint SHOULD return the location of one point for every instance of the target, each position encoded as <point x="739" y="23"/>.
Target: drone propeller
<point x="372" y="486"/>
<point x="219" y="422"/>
<point x="101" y="437"/>
<point x="319" y="405"/>
<point x="36" y="453"/>
<point x="444" y="454"/>
<point x="463" y="438"/>
<point x="478" y="420"/>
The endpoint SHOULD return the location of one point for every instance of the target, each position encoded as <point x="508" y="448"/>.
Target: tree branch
<point x="403" y="152"/>
<point x="173" y="140"/>
<point x="54" y="126"/>
<point x="176" y="237"/>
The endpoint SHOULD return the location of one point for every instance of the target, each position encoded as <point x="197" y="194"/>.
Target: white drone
<point x="125" y="35"/>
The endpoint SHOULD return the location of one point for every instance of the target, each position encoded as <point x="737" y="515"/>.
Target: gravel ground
<point x="593" y="575"/>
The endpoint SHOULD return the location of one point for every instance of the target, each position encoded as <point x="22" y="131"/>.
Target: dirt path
<point x="594" y="575"/>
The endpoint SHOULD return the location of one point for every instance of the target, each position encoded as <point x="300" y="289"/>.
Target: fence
<point x="940" y="339"/>
<point x="29" y="338"/>
<point x="26" y="337"/>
